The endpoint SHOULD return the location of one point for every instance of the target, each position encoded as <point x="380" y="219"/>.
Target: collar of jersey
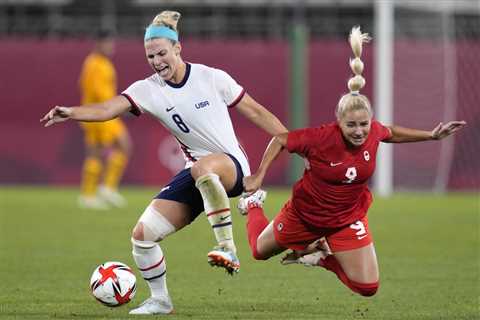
<point x="184" y="80"/>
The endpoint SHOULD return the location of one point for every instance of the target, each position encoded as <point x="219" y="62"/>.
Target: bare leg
<point x="357" y="269"/>
<point x="260" y="231"/>
<point x="360" y="265"/>
<point x="266" y="245"/>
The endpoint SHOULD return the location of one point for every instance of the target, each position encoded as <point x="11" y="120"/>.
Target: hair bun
<point x="167" y="18"/>
<point x="356" y="83"/>
<point x="356" y="65"/>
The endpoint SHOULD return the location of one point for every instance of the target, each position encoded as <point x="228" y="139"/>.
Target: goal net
<point x="436" y="72"/>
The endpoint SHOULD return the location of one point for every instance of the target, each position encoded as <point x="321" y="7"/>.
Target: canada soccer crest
<point x="366" y="155"/>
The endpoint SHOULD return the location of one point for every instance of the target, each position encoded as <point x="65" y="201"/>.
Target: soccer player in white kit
<point x="192" y="102"/>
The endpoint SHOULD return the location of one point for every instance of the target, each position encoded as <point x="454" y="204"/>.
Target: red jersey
<point x="333" y="190"/>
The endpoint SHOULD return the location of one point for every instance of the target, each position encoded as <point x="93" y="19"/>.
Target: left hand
<point x="444" y="130"/>
<point x="252" y="183"/>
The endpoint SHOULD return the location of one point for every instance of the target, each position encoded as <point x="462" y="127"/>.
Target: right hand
<point x="252" y="183"/>
<point x="444" y="130"/>
<point x="56" y="115"/>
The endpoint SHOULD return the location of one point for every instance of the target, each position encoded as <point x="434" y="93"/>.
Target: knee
<point x="152" y="226"/>
<point x="199" y="169"/>
<point x="258" y="255"/>
<point x="141" y="232"/>
<point x="137" y="232"/>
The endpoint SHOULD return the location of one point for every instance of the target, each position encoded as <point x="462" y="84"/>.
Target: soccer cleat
<point x="224" y="258"/>
<point x="290" y="258"/>
<point x="311" y="256"/>
<point x="112" y="197"/>
<point x="94" y="203"/>
<point x="322" y="244"/>
<point x="248" y="201"/>
<point x="154" y="306"/>
<point x="312" y="259"/>
<point x="308" y="260"/>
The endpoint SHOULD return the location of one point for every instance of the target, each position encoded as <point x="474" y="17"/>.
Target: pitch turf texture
<point x="427" y="245"/>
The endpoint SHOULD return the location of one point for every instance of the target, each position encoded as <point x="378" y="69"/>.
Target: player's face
<point x="107" y="46"/>
<point x="163" y="57"/>
<point x="355" y="126"/>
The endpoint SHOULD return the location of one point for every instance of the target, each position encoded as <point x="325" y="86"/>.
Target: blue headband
<point x="160" y="32"/>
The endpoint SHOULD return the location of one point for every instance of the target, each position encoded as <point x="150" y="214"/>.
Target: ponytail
<point x="356" y="39"/>
<point x="354" y="100"/>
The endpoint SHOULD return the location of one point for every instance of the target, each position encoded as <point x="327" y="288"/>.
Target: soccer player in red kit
<point x="331" y="200"/>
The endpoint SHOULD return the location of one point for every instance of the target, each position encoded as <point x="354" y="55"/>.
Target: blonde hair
<point x="354" y="100"/>
<point x="168" y="19"/>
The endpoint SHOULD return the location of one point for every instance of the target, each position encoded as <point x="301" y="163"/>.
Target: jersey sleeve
<point x="300" y="141"/>
<point x="383" y="133"/>
<point x="139" y="96"/>
<point x="230" y="91"/>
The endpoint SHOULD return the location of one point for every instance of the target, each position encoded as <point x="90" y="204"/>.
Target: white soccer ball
<point x="113" y="283"/>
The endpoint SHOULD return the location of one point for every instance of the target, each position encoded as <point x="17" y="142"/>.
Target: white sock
<point x="151" y="263"/>
<point x="217" y="209"/>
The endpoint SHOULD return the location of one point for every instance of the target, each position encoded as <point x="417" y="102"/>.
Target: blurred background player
<point x="107" y="144"/>
<point x="332" y="198"/>
<point x="192" y="101"/>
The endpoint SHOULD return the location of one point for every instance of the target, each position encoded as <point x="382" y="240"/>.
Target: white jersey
<point x="195" y="111"/>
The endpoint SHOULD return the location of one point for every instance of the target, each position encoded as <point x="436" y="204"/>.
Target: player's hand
<point x="444" y="130"/>
<point x="252" y="183"/>
<point x="56" y="115"/>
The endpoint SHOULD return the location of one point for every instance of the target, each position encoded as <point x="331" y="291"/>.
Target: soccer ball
<point x="113" y="283"/>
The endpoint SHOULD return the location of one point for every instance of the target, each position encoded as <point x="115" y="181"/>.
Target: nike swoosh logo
<point x="164" y="189"/>
<point x="224" y="218"/>
<point x="334" y="164"/>
<point x="361" y="237"/>
<point x="170" y="109"/>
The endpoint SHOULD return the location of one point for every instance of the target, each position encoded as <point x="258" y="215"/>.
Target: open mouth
<point x="357" y="139"/>
<point x="163" y="71"/>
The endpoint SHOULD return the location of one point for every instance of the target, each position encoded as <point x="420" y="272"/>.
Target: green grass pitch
<point x="427" y="245"/>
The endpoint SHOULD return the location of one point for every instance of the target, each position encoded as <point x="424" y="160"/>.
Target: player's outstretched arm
<point x="90" y="113"/>
<point x="254" y="182"/>
<point x="260" y="116"/>
<point x="401" y="134"/>
<point x="444" y="130"/>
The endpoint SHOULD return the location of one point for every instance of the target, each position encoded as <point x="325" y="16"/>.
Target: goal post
<point x="383" y="91"/>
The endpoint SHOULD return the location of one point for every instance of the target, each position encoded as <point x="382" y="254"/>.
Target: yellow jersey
<point x="98" y="83"/>
<point x="98" y="80"/>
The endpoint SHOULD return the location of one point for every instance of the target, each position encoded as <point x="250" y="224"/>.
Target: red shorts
<point x="291" y="232"/>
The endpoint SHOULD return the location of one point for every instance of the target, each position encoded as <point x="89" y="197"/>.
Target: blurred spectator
<point x="107" y="144"/>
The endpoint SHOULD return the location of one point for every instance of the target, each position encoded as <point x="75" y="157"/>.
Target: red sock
<point x="256" y="222"/>
<point x="364" y="289"/>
